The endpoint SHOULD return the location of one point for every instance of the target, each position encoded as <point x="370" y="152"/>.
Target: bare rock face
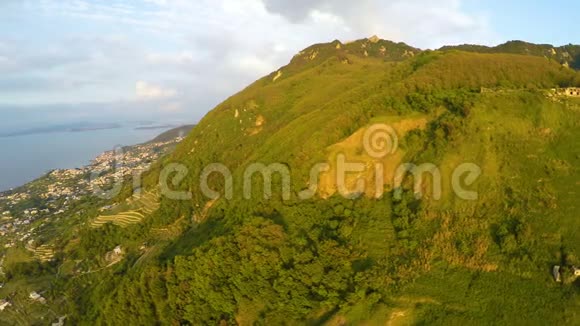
<point x="260" y="120"/>
<point x="374" y="39"/>
<point x="313" y="55"/>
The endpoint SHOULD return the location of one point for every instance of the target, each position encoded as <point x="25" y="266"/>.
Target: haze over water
<point x="27" y="157"/>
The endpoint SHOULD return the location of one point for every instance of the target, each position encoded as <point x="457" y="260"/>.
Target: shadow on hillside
<point x="194" y="237"/>
<point x="576" y="63"/>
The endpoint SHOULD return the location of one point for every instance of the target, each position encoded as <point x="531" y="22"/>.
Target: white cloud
<point x="5" y="63"/>
<point x="180" y="58"/>
<point x="147" y="91"/>
<point x="206" y="50"/>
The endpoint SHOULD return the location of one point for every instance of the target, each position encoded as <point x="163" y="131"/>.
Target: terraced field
<point x="122" y="219"/>
<point x="44" y="253"/>
<point x="149" y="202"/>
<point x="145" y="205"/>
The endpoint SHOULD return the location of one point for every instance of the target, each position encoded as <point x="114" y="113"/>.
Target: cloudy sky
<point x="173" y="60"/>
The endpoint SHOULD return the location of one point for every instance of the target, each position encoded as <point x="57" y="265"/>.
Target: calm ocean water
<point x="25" y="158"/>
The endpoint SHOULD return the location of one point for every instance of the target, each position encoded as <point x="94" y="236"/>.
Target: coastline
<point x="33" y="156"/>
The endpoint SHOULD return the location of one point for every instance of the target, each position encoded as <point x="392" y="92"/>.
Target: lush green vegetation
<point x="567" y="54"/>
<point x="172" y="134"/>
<point x="345" y="261"/>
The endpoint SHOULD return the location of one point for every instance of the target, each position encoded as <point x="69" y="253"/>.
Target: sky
<point x="65" y="61"/>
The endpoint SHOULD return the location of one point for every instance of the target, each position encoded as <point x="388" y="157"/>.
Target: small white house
<point x="118" y="250"/>
<point x="36" y="297"/>
<point x="4" y="304"/>
<point x="556" y="273"/>
<point x="60" y="321"/>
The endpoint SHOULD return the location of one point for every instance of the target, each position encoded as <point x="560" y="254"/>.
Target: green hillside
<point x="171" y="134"/>
<point x="340" y="258"/>
<point x="568" y="55"/>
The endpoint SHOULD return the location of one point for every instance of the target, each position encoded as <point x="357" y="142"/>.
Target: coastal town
<point x="28" y="214"/>
<point x="37" y="218"/>
<point x="27" y="208"/>
<point x="35" y="212"/>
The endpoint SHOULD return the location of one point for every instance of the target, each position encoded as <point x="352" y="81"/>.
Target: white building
<point x="556" y="273"/>
<point x="4" y="304"/>
<point x="36" y="297"/>
<point x="60" y="321"/>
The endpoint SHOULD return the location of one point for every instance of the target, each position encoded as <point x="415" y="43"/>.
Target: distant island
<point x="79" y="127"/>
<point x="84" y="126"/>
<point x="155" y="127"/>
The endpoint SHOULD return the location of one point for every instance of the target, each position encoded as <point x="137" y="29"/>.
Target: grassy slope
<point x="168" y="135"/>
<point x="518" y="137"/>
<point x="529" y="182"/>
<point x="569" y="54"/>
<point x="525" y="143"/>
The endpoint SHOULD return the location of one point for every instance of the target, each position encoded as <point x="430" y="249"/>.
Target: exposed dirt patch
<point x="258" y="125"/>
<point x="201" y="216"/>
<point x="400" y="317"/>
<point x="404" y="314"/>
<point x="354" y="151"/>
<point x="260" y="120"/>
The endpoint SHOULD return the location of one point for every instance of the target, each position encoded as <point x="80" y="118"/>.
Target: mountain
<point x="568" y="55"/>
<point x="476" y="242"/>
<point x="168" y="135"/>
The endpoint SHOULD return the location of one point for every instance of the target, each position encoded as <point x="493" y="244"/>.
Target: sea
<point x="24" y="158"/>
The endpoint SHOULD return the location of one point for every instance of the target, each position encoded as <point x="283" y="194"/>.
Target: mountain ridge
<point x="568" y="55"/>
<point x="377" y="47"/>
